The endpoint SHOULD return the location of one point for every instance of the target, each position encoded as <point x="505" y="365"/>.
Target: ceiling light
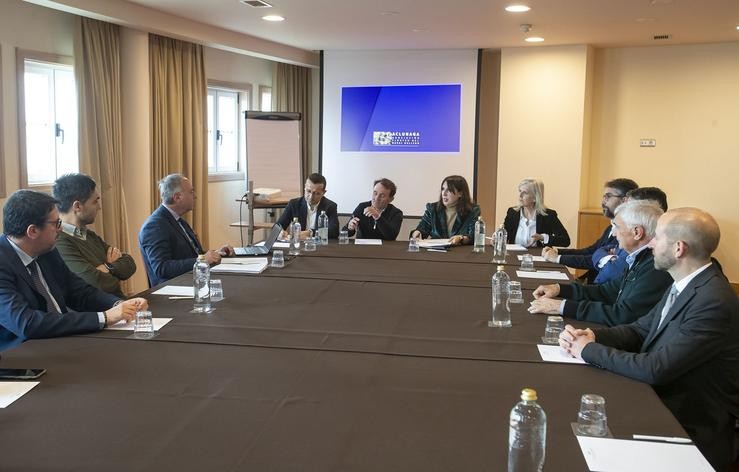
<point x="534" y="39"/>
<point x="273" y="18"/>
<point x="389" y="13"/>
<point x="737" y="27"/>
<point x="517" y="8"/>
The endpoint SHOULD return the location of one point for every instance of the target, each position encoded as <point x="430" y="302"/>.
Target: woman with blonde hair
<point x="531" y="223"/>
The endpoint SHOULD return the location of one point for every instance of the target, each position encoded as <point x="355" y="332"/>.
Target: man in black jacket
<point x="687" y="346"/>
<point x="377" y="218"/>
<point x="622" y="300"/>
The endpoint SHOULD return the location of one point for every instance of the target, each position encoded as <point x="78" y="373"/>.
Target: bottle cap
<point x="528" y="395"/>
<point x="501" y="268"/>
<point x="295" y="218"/>
<point x="201" y="257"/>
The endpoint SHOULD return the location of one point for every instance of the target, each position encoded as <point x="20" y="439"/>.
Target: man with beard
<point x="613" y="196"/>
<point x="377" y="218"/>
<point x="687" y="346"/>
<point x="98" y="263"/>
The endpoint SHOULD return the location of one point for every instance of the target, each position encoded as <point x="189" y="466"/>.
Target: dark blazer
<point x="581" y="258"/>
<point x="23" y="312"/>
<point x="620" y="300"/>
<point x="545" y="224"/>
<point x="298" y="207"/>
<point x="433" y="223"/>
<point x="166" y="251"/>
<point x="611" y="269"/>
<point x="691" y="360"/>
<point x="386" y="227"/>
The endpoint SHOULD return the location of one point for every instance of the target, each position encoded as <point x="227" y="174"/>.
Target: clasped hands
<point x="573" y="340"/>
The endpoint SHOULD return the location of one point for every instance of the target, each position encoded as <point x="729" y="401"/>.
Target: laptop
<point x="260" y="250"/>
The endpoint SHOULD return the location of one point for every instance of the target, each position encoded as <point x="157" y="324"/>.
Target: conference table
<point x="350" y="358"/>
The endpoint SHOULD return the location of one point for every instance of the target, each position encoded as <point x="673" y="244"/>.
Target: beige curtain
<point x="291" y="91"/>
<point x="97" y="73"/>
<point x="178" y="121"/>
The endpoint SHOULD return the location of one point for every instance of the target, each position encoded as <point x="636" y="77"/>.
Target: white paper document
<point x="123" y="326"/>
<point x="252" y="265"/>
<point x="439" y="242"/>
<point x="534" y="258"/>
<point x="557" y="354"/>
<point x="542" y="274"/>
<point x="368" y="242"/>
<point x="281" y="245"/>
<point x="515" y="247"/>
<point x="12" y="391"/>
<point x="623" y="455"/>
<point x="176" y="290"/>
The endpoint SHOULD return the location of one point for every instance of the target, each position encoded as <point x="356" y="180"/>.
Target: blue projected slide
<point x="401" y="118"/>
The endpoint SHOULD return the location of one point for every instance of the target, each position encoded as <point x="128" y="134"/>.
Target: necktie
<point x="191" y="238"/>
<point x="668" y="304"/>
<point x="39" y="286"/>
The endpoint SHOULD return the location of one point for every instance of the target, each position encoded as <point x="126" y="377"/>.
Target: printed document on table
<point x="557" y="354"/>
<point x="276" y="245"/>
<point x="542" y="274"/>
<point x="12" y="391"/>
<point x="617" y="455"/>
<point x="515" y="247"/>
<point x="175" y="290"/>
<point x="439" y="242"/>
<point x="533" y="258"/>
<point x="368" y="242"/>
<point x="123" y="326"/>
<point x="253" y="265"/>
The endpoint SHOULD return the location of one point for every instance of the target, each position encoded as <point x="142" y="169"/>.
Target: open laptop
<point x="260" y="250"/>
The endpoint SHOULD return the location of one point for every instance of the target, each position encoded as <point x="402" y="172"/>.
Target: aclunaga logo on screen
<point x="396" y="138"/>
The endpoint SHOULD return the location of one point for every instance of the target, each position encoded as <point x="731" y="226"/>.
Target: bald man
<point x="687" y="346"/>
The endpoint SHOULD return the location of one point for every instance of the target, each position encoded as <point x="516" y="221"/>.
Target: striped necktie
<point x="39" y="286"/>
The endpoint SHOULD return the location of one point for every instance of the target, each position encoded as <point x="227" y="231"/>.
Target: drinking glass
<point x="527" y="262"/>
<point x="216" y="290"/>
<point x="555" y="325"/>
<point x="309" y="245"/>
<point x="278" y="259"/>
<point x="515" y="294"/>
<point x="592" y="420"/>
<point x="343" y="237"/>
<point x="143" y="324"/>
<point x="413" y="245"/>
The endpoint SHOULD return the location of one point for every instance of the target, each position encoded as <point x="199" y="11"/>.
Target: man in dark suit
<point x="377" y="218"/>
<point x="169" y="246"/>
<point x="622" y="300"/>
<point x="613" y="196"/>
<point x="39" y="296"/>
<point x="687" y="346"/>
<point x="308" y="208"/>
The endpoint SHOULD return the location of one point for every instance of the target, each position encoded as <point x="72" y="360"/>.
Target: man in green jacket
<point x="85" y="253"/>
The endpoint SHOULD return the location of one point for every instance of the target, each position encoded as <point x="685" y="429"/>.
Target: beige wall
<point x="687" y="98"/>
<point x="542" y="108"/>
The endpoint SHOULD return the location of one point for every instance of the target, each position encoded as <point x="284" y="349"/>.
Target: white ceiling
<point x="387" y="24"/>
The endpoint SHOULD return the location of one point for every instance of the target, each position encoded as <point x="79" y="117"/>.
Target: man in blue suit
<point x="169" y="246"/>
<point x="39" y="296"/>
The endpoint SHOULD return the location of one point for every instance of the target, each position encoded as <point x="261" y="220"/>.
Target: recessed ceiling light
<point x="737" y="27"/>
<point x="645" y="20"/>
<point x="419" y="30"/>
<point x="534" y="39"/>
<point x="273" y="18"/>
<point x="517" y="8"/>
<point x="389" y="13"/>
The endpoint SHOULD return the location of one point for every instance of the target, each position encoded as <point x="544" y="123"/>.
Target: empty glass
<point x="527" y="262"/>
<point x="515" y="294"/>
<point x="413" y="245"/>
<point x="143" y="325"/>
<point x="555" y="325"/>
<point x="592" y="420"/>
<point x="216" y="290"/>
<point x="309" y="245"/>
<point x="343" y="237"/>
<point x="278" y="259"/>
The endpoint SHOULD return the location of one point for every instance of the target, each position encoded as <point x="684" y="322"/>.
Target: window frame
<point x="240" y="88"/>
<point x="20" y="68"/>
<point x="3" y="174"/>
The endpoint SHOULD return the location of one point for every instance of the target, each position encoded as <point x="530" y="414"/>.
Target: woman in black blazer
<point x="531" y="223"/>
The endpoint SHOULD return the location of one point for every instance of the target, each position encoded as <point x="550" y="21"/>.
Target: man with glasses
<point x="39" y="296"/>
<point x="309" y="207"/>
<point x="613" y="196"/>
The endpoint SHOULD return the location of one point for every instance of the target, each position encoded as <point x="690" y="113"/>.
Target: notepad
<point x="542" y="274"/>
<point x="623" y="455"/>
<point x="12" y="391"/>
<point x="557" y="354"/>
<point x="253" y="265"/>
<point x="368" y="242"/>
<point x="176" y="290"/>
<point x="533" y="258"/>
<point x="438" y="242"/>
<point x="128" y="326"/>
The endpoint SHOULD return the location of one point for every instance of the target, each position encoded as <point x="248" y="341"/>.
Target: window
<point x="265" y="98"/>
<point x="47" y="118"/>
<point x="225" y="107"/>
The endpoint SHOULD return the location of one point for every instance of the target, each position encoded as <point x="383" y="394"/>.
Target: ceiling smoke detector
<point x="525" y="28"/>
<point x="256" y="3"/>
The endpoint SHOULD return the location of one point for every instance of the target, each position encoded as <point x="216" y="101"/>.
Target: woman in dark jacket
<point x="453" y="216"/>
<point x="531" y="223"/>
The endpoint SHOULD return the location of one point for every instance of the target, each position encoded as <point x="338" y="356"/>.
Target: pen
<point x="183" y="297"/>
<point x="663" y="438"/>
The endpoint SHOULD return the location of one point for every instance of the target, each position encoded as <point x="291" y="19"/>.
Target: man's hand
<point x="352" y="225"/>
<point x="126" y="310"/>
<point x="550" y="254"/>
<point x="456" y="240"/>
<point x="372" y="212"/>
<point x="113" y="254"/>
<point x="212" y="257"/>
<point x="574" y="340"/>
<point x="547" y="306"/>
<point x="537" y="237"/>
<point x="416" y="235"/>
<point x="226" y="250"/>
<point x="102" y="268"/>
<point x="546" y="291"/>
<point x="305" y="235"/>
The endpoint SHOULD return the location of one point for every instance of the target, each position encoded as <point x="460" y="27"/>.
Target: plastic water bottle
<point x="527" y="436"/>
<point x="479" y="235"/>
<point x="323" y="228"/>
<point x="499" y="245"/>
<point x="295" y="229"/>
<point x="501" y="291"/>
<point x="201" y="285"/>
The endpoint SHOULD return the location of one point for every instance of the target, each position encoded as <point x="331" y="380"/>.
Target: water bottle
<point x="501" y="291"/>
<point x="527" y="436"/>
<point x="201" y="285"/>
<point x="323" y="228"/>
<point x="499" y="245"/>
<point x="479" y="235"/>
<point x="295" y="229"/>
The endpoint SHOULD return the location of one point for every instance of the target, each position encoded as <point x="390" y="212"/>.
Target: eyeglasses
<point x="608" y="196"/>
<point x="57" y="222"/>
